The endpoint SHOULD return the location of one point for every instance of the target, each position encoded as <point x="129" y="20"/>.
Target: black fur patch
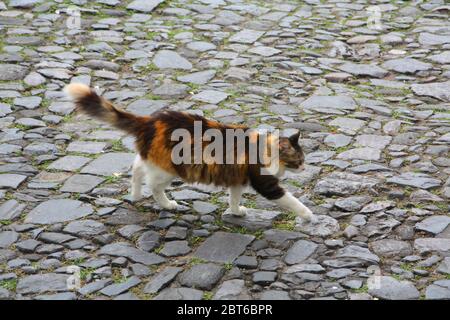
<point x="266" y="185"/>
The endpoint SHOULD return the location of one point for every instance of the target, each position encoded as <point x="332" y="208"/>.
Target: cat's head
<point x="291" y="154"/>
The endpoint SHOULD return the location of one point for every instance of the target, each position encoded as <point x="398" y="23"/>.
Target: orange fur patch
<point x="159" y="153"/>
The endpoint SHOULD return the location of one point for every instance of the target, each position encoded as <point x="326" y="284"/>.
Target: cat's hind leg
<point x="235" y="199"/>
<point x="159" y="181"/>
<point x="160" y="196"/>
<point x="137" y="177"/>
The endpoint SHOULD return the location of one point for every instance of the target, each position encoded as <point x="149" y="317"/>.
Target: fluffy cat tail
<point x="87" y="101"/>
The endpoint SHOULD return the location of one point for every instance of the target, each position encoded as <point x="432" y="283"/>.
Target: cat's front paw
<point x="313" y="219"/>
<point x="170" y="205"/>
<point x="240" y="211"/>
<point x="308" y="216"/>
<point x="133" y="198"/>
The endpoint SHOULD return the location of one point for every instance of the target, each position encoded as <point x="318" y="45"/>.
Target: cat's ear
<point x="293" y="139"/>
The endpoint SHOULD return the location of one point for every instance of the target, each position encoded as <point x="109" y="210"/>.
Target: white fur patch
<point x="288" y="201"/>
<point x="157" y="179"/>
<point x="77" y="90"/>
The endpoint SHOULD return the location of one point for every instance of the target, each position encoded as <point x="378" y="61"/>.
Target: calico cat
<point x="155" y="148"/>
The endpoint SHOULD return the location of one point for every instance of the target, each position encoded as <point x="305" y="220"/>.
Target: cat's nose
<point x="302" y="167"/>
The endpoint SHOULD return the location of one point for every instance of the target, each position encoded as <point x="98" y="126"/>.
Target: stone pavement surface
<point x="369" y="88"/>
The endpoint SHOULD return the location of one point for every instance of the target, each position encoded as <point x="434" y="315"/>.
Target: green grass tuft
<point x="363" y="289"/>
<point x="194" y="261"/>
<point x="228" y="266"/>
<point x="10" y="284"/>
<point x="207" y="295"/>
